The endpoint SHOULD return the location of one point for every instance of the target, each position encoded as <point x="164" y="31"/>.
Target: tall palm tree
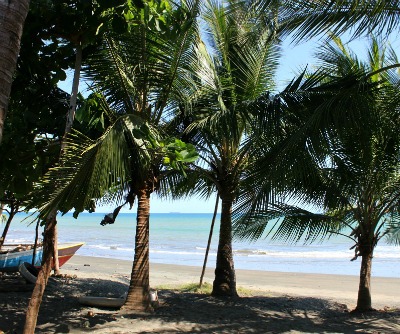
<point x="140" y="76"/>
<point x="12" y="18"/>
<point x="236" y="69"/>
<point x="340" y="155"/>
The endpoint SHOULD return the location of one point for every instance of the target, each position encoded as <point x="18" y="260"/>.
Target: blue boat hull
<point x="10" y="261"/>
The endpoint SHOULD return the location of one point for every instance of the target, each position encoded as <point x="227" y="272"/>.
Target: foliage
<point x="338" y="152"/>
<point x="91" y="116"/>
<point x="31" y="138"/>
<point x="305" y="19"/>
<point x="125" y="149"/>
<point x="131" y="92"/>
<point x="393" y="234"/>
<point x="238" y="68"/>
<point x="205" y="289"/>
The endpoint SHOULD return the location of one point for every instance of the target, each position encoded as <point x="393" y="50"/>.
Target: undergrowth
<point x="205" y="289"/>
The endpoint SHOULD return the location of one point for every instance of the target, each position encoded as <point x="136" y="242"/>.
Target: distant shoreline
<point x="182" y="239"/>
<point x="339" y="288"/>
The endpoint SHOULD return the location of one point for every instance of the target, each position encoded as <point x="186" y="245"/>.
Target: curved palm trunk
<point x="12" y="18"/>
<point x="43" y="276"/>
<point x="13" y="212"/>
<point x="74" y="94"/>
<point x="364" y="301"/>
<point x="225" y="278"/>
<point x="35" y="245"/>
<point x="68" y="127"/>
<point x="209" y="241"/>
<point x="55" y="252"/>
<point x="138" y="297"/>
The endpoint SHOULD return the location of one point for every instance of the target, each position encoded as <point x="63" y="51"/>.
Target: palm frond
<point x="393" y="234"/>
<point x="312" y="18"/>
<point x="335" y="148"/>
<point x="90" y="169"/>
<point x="289" y="223"/>
<point x="197" y="182"/>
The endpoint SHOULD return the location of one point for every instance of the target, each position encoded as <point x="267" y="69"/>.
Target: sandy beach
<point x="273" y="302"/>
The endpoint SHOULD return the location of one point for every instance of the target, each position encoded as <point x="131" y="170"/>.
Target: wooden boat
<point x="12" y="256"/>
<point x="102" y="301"/>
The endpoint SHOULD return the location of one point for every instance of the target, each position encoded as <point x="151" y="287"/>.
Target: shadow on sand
<point x="181" y="312"/>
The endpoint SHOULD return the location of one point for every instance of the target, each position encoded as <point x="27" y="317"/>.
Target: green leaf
<point x="119" y="24"/>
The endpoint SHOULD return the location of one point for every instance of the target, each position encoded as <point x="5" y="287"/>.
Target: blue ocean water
<point x="180" y="238"/>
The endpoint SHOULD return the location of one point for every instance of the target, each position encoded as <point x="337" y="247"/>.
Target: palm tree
<point x="12" y="18"/>
<point x="340" y="155"/>
<point x="237" y="70"/>
<point x="144" y="74"/>
<point x="139" y="76"/>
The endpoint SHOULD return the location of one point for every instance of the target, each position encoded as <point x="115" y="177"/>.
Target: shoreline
<point x="338" y="288"/>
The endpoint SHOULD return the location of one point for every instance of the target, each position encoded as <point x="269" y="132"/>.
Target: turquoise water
<point x="180" y="238"/>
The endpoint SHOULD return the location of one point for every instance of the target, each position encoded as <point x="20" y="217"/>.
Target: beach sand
<point x="273" y="303"/>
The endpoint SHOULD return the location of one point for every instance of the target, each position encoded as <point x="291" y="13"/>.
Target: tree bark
<point x="56" y="262"/>
<point x="50" y="249"/>
<point x="225" y="279"/>
<point x="364" y="301"/>
<point x="12" y="18"/>
<point x="13" y="211"/>
<point x="35" y="245"/>
<point x="138" y="298"/>
<point x="68" y="126"/>
<point x="43" y="276"/>
<point x="209" y="241"/>
<point x="74" y="94"/>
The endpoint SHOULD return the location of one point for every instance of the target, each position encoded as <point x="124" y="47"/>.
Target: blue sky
<point x="294" y="58"/>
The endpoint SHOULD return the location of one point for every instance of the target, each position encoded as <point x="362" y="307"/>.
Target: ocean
<point x="181" y="238"/>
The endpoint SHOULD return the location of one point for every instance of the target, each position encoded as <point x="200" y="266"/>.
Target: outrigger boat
<point x="12" y="256"/>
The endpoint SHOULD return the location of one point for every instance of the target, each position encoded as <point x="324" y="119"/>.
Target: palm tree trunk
<point x="68" y="127"/>
<point x="225" y="279"/>
<point x="35" y="245"/>
<point x="364" y="302"/>
<point x="138" y="297"/>
<point x="56" y="262"/>
<point x="50" y="249"/>
<point x="13" y="211"/>
<point x="50" y="245"/>
<point x="209" y="241"/>
<point x="12" y="18"/>
<point x="74" y="93"/>
<point x="43" y="276"/>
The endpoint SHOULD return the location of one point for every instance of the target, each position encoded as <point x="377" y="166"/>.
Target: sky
<point x="294" y="58"/>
